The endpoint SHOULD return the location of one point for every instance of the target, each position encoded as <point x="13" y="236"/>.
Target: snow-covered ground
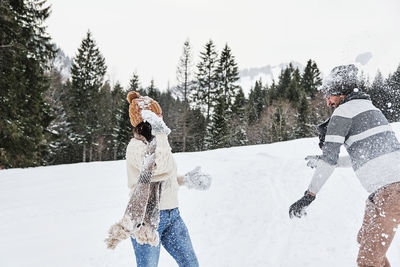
<point x="59" y="215"/>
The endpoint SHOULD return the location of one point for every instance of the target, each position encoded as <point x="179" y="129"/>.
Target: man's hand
<point x="298" y="208"/>
<point x="312" y="161"/>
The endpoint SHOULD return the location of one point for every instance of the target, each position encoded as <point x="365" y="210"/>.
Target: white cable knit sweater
<point x="165" y="169"/>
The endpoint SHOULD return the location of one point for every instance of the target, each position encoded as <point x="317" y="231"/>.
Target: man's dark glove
<point x="298" y="208"/>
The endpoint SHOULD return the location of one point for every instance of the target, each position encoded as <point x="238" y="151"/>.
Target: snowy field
<point x="59" y="216"/>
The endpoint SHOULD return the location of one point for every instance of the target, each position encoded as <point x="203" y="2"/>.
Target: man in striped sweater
<point x="375" y="157"/>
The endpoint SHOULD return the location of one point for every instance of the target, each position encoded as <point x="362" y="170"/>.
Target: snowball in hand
<point x="157" y="124"/>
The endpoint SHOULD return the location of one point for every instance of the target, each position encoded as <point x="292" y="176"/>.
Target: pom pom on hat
<point x="137" y="103"/>
<point x="132" y="95"/>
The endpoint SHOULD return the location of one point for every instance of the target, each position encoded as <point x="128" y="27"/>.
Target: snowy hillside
<point x="62" y="63"/>
<point x="59" y="216"/>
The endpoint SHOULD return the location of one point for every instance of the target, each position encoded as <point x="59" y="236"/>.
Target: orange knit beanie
<point x="137" y="103"/>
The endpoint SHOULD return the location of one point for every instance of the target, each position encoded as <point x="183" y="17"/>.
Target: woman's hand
<point x="158" y="126"/>
<point x="197" y="179"/>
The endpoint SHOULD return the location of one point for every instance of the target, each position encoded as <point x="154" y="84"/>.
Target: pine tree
<point x="393" y="105"/>
<point x="102" y="136"/>
<point x="134" y="84"/>
<point x="184" y="89"/>
<point x="87" y="74"/>
<point x="218" y="132"/>
<point x="55" y="96"/>
<point x="303" y="128"/>
<point x="206" y="83"/>
<point x="284" y="81"/>
<point x="279" y="127"/>
<point x="257" y="103"/>
<point x="174" y="119"/>
<point x="167" y="103"/>
<point x="380" y="94"/>
<point x="227" y="75"/>
<point x="238" y="122"/>
<point x="25" y="52"/>
<point x="273" y="93"/>
<point x="259" y="98"/>
<point x="294" y="89"/>
<point x="197" y="130"/>
<point x="251" y="108"/>
<point x="152" y="91"/>
<point x="123" y="131"/>
<point x="184" y="74"/>
<point x="311" y="79"/>
<point x="117" y="143"/>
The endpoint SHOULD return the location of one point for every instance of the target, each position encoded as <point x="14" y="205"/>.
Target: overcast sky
<point x="147" y="36"/>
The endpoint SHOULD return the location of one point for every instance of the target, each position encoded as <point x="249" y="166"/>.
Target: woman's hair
<point x="144" y="129"/>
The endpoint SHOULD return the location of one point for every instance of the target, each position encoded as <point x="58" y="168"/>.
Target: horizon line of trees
<point x="206" y="110"/>
<point x="45" y="120"/>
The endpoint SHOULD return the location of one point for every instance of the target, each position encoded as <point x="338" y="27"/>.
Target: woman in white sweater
<point x="172" y="231"/>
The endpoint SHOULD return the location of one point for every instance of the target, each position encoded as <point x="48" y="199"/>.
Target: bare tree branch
<point x="6" y="46"/>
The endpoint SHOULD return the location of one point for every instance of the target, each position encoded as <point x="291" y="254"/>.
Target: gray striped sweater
<point x="368" y="138"/>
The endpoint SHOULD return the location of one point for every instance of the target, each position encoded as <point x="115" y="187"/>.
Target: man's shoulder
<point x="352" y="108"/>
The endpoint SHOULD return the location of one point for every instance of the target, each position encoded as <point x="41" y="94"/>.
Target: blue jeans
<point x="174" y="237"/>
